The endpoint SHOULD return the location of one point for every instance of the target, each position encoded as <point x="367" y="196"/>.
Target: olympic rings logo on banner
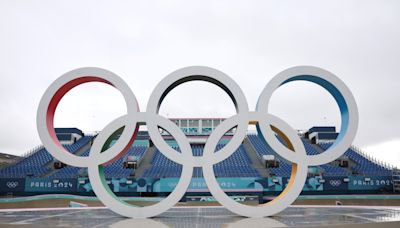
<point x="12" y="184"/>
<point x="267" y="125"/>
<point x="335" y="183"/>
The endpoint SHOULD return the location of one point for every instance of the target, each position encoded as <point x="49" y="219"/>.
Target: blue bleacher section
<point x="30" y="166"/>
<point x="362" y="164"/>
<point x="73" y="148"/>
<point x="261" y="148"/>
<point x="69" y="171"/>
<point x="284" y="168"/>
<point x="328" y="169"/>
<point x="38" y="163"/>
<point x="114" y="169"/>
<point x="35" y="164"/>
<point x="237" y="165"/>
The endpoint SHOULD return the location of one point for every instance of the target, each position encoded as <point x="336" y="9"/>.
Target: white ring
<point x="108" y="198"/>
<point x="54" y="94"/>
<point x="188" y="74"/>
<point x="336" y="88"/>
<point x="281" y="202"/>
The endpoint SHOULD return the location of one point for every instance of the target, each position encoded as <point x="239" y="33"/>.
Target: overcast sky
<point x="251" y="41"/>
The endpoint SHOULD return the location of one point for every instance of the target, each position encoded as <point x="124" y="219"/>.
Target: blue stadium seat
<point x="114" y="169"/>
<point x="36" y="164"/>
<point x="284" y="168"/>
<point x="237" y="165"/>
<point x="363" y="165"/>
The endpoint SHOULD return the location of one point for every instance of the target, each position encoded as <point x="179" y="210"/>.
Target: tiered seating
<point x="73" y="148"/>
<point x="261" y="148"/>
<point x="284" y="168"/>
<point x="237" y="165"/>
<point x="31" y="166"/>
<point x="69" y="171"/>
<point x="329" y="170"/>
<point x="163" y="167"/>
<point x="35" y="164"/>
<point x="364" y="165"/>
<point x="38" y="164"/>
<point x="114" y="169"/>
<point x="310" y="150"/>
<point x="259" y="145"/>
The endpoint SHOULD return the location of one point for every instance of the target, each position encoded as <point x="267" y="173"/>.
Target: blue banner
<point x="311" y="184"/>
<point x="116" y="185"/>
<point x="335" y="183"/>
<point x="370" y="183"/>
<point x="12" y="185"/>
<point x="227" y="184"/>
<point x="271" y="184"/>
<point x="196" y="184"/>
<point x="84" y="185"/>
<point x="50" y="185"/>
<point x="274" y="184"/>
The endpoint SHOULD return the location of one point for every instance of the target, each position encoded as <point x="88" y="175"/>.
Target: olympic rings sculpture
<point x="267" y="125"/>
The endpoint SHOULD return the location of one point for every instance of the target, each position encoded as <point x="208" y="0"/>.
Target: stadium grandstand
<point x="253" y="170"/>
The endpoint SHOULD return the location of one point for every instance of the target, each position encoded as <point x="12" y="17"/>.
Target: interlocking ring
<point x="12" y="184"/>
<point x="267" y="125"/>
<point x="335" y="183"/>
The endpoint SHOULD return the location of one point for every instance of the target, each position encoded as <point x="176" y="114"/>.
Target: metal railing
<point x="373" y="159"/>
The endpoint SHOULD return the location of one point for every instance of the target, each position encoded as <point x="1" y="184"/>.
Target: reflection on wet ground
<point x="200" y="217"/>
